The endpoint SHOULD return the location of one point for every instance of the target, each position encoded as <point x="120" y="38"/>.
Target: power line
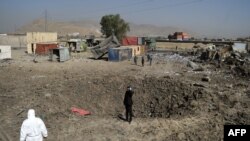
<point x="122" y="6"/>
<point x="164" y="6"/>
<point x="152" y="8"/>
<point x="45" y="20"/>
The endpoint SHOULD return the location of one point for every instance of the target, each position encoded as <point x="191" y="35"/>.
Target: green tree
<point x="114" y="24"/>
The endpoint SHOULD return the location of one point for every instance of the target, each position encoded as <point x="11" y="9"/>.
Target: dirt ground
<point x="171" y="102"/>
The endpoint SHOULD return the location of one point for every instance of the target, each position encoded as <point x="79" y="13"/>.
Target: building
<point x="137" y="50"/>
<point x="181" y="36"/>
<point x="39" y="37"/>
<point x="132" y="40"/>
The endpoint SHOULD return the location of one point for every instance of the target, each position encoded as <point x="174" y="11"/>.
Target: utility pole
<point x="45" y="26"/>
<point x="15" y="28"/>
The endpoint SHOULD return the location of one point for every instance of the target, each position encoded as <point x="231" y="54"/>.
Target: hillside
<point x="93" y="27"/>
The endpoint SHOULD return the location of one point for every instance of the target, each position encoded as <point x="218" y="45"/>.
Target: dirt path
<point x="97" y="128"/>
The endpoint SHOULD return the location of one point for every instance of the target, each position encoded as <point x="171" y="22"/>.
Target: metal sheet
<point x="43" y="49"/>
<point x="119" y="54"/>
<point x="240" y="47"/>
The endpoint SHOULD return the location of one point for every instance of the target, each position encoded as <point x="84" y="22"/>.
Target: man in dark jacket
<point x="135" y="60"/>
<point x="128" y="102"/>
<point x="142" y="61"/>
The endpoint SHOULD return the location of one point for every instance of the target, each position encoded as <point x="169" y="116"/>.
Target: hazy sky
<point x="206" y="17"/>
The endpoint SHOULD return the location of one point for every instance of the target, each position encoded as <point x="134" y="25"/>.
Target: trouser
<point x="128" y="113"/>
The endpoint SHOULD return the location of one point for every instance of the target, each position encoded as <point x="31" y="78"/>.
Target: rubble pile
<point x="223" y="57"/>
<point x="166" y="57"/>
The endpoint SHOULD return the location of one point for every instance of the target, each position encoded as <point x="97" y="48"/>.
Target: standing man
<point x="33" y="128"/>
<point x="150" y="60"/>
<point x="148" y="57"/>
<point x="135" y="60"/>
<point x="128" y="102"/>
<point x="142" y="61"/>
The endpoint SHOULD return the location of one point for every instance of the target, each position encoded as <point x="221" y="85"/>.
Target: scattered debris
<point x="199" y="85"/>
<point x="206" y="79"/>
<point x="80" y="112"/>
<point x="194" y="66"/>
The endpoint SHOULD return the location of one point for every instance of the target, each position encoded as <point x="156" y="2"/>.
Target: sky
<point x="208" y="18"/>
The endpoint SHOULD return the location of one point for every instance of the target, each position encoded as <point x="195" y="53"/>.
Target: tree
<point x="114" y="24"/>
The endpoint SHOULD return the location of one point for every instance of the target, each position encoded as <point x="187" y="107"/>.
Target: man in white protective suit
<point x="33" y="128"/>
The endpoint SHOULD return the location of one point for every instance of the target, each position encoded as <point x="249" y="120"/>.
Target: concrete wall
<point x="39" y="37"/>
<point x="13" y="40"/>
<point x="5" y="52"/>
<point x="172" y="45"/>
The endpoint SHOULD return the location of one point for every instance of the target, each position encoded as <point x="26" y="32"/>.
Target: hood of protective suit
<point x="31" y="113"/>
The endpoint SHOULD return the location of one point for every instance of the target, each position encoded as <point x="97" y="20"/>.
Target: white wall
<point x="5" y="52"/>
<point x="13" y="40"/>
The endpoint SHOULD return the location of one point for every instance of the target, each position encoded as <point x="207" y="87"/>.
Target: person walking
<point x="148" y="57"/>
<point x="33" y="128"/>
<point x="150" y="60"/>
<point x="142" y="61"/>
<point x="128" y="102"/>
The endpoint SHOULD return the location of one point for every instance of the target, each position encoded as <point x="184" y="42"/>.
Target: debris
<point x="194" y="66"/>
<point x="79" y="111"/>
<point x="198" y="85"/>
<point x="102" y="49"/>
<point x="20" y="112"/>
<point x="206" y="79"/>
<point x="181" y="136"/>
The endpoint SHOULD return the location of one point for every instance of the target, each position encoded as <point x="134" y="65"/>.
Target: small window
<point x="138" y="48"/>
<point x="0" y="50"/>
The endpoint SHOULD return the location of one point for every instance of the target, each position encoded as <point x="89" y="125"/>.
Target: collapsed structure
<point x="102" y="49"/>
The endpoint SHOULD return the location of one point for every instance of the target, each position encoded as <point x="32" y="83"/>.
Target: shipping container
<point x="43" y="48"/>
<point x="129" y="41"/>
<point x="119" y="54"/>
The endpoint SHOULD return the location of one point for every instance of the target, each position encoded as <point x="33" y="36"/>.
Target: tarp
<point x="102" y="49"/>
<point x="129" y="41"/>
<point x="79" y="111"/>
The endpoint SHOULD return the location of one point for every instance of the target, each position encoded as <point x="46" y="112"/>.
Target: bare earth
<point x="167" y="104"/>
